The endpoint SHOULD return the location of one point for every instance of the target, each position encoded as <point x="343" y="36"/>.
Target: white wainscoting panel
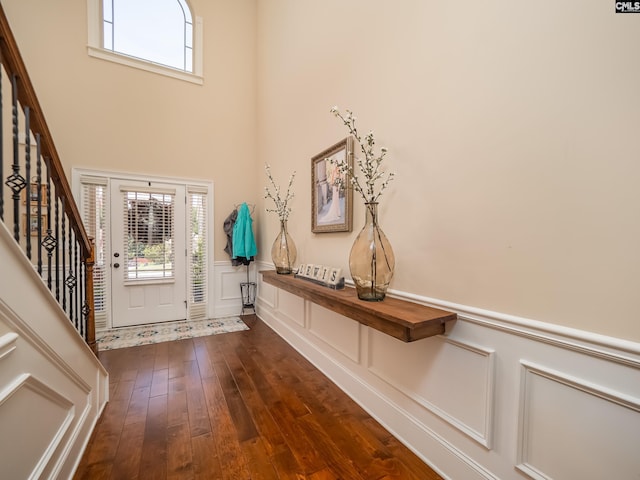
<point x="20" y="401"/>
<point x="343" y="334"/>
<point x="230" y="284"/>
<point x="46" y="406"/>
<point x="7" y="344"/>
<point x="451" y="379"/>
<point x="227" y="278"/>
<point x="52" y="387"/>
<point x="267" y="295"/>
<point x="468" y="404"/>
<point x="570" y="428"/>
<point x="291" y="307"/>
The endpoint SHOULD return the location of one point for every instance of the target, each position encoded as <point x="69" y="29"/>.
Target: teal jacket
<point x="244" y="245"/>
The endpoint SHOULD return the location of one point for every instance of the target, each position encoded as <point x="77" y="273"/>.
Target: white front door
<point x="148" y="252"/>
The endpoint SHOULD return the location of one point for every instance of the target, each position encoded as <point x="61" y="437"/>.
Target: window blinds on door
<point x="93" y="206"/>
<point x="197" y="252"/>
<point x="149" y="234"/>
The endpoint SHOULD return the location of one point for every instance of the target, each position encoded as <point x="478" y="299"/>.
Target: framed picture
<point x="33" y="194"/>
<point x="33" y="224"/>
<point x="331" y="194"/>
<point x="301" y="268"/>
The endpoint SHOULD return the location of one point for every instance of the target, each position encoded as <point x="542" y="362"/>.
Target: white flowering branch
<point x="369" y="166"/>
<point x="282" y="206"/>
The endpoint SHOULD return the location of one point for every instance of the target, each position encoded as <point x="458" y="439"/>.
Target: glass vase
<point x="371" y="260"/>
<point x="283" y="251"/>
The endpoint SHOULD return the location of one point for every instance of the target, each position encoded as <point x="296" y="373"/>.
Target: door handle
<point x="116" y="265"/>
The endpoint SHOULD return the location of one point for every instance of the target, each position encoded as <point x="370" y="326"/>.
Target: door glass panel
<point x="149" y="235"/>
<point x="198" y="285"/>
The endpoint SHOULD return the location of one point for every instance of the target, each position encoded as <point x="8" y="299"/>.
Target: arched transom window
<point x="160" y="31"/>
<point x="148" y="34"/>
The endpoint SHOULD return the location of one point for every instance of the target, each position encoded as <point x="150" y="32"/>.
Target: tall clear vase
<point x="283" y="251"/>
<point x="371" y="260"/>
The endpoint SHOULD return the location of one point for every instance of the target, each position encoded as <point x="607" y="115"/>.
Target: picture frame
<point x="32" y="195"/>
<point x="331" y="193"/>
<point x="33" y="224"/>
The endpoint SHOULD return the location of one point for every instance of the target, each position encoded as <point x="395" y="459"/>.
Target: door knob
<point x="116" y="265"/>
<point x="116" y="254"/>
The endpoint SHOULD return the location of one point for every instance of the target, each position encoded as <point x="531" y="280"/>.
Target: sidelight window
<point x="94" y="215"/>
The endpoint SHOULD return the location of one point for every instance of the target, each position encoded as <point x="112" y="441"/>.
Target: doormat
<point x="124" y="337"/>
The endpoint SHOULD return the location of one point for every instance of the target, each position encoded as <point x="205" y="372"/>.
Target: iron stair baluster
<point x="64" y="252"/>
<point x="15" y="181"/>
<point x="27" y="169"/>
<point x="39" y="209"/>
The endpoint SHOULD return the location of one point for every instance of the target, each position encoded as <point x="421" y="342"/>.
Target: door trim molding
<point x="109" y="175"/>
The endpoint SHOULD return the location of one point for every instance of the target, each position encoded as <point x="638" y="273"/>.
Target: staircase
<point x="52" y="386"/>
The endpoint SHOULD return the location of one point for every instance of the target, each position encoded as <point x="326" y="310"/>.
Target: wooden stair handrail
<point x="13" y="63"/>
<point x="26" y="95"/>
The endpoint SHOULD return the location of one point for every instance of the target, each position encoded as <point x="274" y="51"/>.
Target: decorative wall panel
<point x="52" y="387"/>
<point x="571" y="428"/>
<point x="339" y="332"/>
<point x="291" y="307"/>
<point x="19" y="402"/>
<point x="451" y="379"/>
<point x="227" y="299"/>
<point x="230" y="284"/>
<point x="468" y="405"/>
<point x="7" y="344"/>
<point x="267" y="295"/>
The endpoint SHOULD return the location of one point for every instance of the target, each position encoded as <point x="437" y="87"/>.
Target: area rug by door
<point x="124" y="337"/>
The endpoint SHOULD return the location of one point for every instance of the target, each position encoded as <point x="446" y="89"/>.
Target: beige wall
<point x="512" y="128"/>
<point x="108" y="116"/>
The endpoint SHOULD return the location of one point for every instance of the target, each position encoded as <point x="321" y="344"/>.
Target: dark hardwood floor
<point x="241" y="405"/>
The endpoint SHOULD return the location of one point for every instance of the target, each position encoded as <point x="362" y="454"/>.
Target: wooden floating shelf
<point x="406" y="321"/>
